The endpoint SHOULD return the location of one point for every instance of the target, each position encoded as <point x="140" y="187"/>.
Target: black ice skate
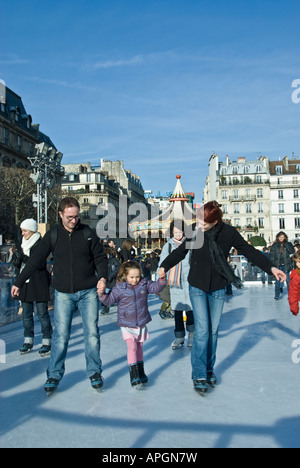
<point x="143" y="377"/>
<point x="50" y="386"/>
<point x="134" y="376"/>
<point x="45" y="350"/>
<point x="26" y="348"/>
<point x="211" y="379"/>
<point x="200" y="385"/>
<point x="96" y="381"/>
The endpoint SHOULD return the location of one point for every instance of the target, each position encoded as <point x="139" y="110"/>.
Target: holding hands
<point x="101" y="286"/>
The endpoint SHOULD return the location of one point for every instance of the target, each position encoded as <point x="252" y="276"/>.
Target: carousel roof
<point x="179" y="208"/>
<point x="179" y="194"/>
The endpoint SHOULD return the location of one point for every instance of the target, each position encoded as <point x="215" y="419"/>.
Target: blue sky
<point x="160" y="85"/>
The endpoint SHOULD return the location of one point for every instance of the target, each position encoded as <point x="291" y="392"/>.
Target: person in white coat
<point x="179" y="287"/>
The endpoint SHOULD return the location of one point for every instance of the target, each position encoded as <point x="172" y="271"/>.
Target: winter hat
<point x="30" y="225"/>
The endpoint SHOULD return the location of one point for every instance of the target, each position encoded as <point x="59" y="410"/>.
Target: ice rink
<point x="255" y="404"/>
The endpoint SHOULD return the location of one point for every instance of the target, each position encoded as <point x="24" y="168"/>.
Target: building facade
<point x="105" y="193"/>
<point x="249" y="192"/>
<point x="285" y="197"/>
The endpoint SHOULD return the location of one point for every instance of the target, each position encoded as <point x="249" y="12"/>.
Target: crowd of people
<point x="190" y="277"/>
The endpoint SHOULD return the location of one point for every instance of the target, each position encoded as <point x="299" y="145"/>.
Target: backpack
<point x="54" y="233"/>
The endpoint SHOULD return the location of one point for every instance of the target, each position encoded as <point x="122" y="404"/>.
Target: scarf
<point x="26" y="246"/>
<point x="174" y="274"/>
<point x="218" y="259"/>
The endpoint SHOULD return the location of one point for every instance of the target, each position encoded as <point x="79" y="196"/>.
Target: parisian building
<point x="18" y="137"/>
<point x="102" y="191"/>
<point x="258" y="197"/>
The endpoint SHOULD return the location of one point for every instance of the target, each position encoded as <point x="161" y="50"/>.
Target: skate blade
<point x="50" y="392"/>
<point x="178" y="347"/>
<point x="45" y="354"/>
<point x="201" y="392"/>
<point x="25" y="352"/>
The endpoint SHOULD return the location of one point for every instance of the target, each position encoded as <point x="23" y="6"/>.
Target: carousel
<point x="152" y="233"/>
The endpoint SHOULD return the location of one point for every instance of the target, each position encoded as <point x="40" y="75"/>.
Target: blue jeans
<point x="65" y="304"/>
<point x="278" y="284"/>
<point x="207" y="309"/>
<point x="43" y="314"/>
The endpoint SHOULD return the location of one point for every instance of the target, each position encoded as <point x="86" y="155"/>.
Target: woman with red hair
<point x="208" y="276"/>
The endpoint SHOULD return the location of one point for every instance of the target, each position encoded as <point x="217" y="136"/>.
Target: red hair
<point x="211" y="212"/>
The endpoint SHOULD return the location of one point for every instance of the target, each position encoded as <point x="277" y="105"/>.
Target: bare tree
<point x="16" y="189"/>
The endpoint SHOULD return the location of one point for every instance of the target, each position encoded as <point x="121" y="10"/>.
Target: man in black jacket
<point x="76" y="261"/>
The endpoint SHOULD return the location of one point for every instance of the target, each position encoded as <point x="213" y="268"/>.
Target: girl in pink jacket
<point x="131" y="294"/>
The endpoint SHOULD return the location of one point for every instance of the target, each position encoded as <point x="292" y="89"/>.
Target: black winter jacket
<point x="203" y="274"/>
<point x="76" y="260"/>
<point x="38" y="287"/>
<point x="285" y="258"/>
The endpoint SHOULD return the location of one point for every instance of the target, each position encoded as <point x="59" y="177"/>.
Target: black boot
<point x="134" y="375"/>
<point x="142" y="375"/>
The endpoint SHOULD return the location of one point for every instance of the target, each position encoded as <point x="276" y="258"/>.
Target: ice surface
<point x="255" y="404"/>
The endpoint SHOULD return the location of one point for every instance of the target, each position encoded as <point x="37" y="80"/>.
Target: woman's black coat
<point x="38" y="287"/>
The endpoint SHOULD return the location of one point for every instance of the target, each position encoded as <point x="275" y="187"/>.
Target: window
<point x="281" y="208"/>
<point x="281" y="223"/>
<point x="236" y="222"/>
<point x="235" y="170"/>
<point x="225" y="209"/>
<point x="248" y="194"/>
<point x="88" y="177"/>
<point x="246" y="169"/>
<point x="278" y="170"/>
<point x="258" y="168"/>
<point x="248" y="208"/>
<point x="280" y="194"/>
<point x="260" y="207"/>
<point x="224" y="194"/>
<point x="259" y="179"/>
<point x="298" y="168"/>
<point x="235" y="194"/>
<point x="261" y="222"/>
<point x="297" y="223"/>
<point x="296" y="193"/>
<point x="236" y="208"/>
<point x="296" y="207"/>
<point x="279" y="181"/>
<point x="248" y="221"/>
<point x="259" y="193"/>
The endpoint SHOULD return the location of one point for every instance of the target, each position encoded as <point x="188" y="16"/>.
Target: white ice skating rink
<point x="255" y="404"/>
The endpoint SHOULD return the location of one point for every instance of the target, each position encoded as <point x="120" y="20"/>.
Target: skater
<point x="113" y="266"/>
<point x="35" y="292"/>
<point x="179" y="287"/>
<point x="280" y="256"/>
<point x="131" y="294"/>
<point x="77" y="254"/>
<point x="209" y="273"/>
<point x="294" y="288"/>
